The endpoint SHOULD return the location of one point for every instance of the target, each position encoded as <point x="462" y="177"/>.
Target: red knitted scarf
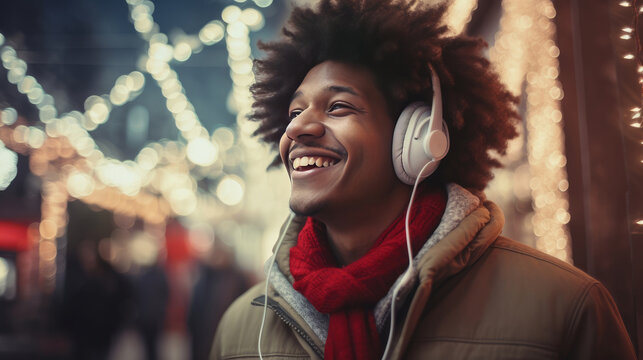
<point x="349" y="294"/>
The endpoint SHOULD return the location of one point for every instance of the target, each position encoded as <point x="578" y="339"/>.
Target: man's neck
<point x="352" y="232"/>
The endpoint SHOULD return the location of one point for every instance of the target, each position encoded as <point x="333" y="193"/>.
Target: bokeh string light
<point x="160" y="178"/>
<point x="629" y="34"/>
<point x="267" y="192"/>
<point x="52" y="226"/>
<point x="630" y="46"/>
<point x="64" y="154"/>
<point x="525" y="50"/>
<point x="459" y="15"/>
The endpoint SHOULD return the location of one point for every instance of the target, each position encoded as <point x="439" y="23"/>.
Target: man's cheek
<point x="284" y="143"/>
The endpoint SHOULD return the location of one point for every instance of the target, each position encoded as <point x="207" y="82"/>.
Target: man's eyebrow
<point x="332" y="88"/>
<point x="296" y="95"/>
<point x="339" y="89"/>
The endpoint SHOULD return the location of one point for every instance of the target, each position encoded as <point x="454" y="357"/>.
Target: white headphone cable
<point x="408" y="271"/>
<point x="291" y="216"/>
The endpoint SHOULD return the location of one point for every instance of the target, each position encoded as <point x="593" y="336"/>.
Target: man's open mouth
<point x="311" y="162"/>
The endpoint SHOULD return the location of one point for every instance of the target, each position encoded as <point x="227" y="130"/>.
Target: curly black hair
<point x="395" y="40"/>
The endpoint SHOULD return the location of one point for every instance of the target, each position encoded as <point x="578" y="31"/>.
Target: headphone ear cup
<point x="399" y="134"/>
<point x="420" y="138"/>
<point x="417" y="141"/>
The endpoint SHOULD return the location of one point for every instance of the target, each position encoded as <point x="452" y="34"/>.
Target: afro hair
<point x="396" y="40"/>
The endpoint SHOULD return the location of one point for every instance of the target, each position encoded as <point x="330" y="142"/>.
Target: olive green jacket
<point x="479" y="296"/>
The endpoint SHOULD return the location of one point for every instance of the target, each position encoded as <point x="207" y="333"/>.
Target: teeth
<point x="311" y="160"/>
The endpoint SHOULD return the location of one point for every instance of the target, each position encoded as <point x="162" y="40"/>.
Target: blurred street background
<point x="135" y="205"/>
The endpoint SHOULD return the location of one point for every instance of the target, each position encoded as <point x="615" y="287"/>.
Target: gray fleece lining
<point x="460" y="203"/>
<point x="316" y="320"/>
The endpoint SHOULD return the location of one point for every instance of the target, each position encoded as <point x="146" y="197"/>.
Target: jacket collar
<point x="465" y="232"/>
<point x="460" y="203"/>
<point x="458" y="250"/>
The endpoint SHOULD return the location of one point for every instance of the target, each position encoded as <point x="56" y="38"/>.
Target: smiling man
<point x="346" y="96"/>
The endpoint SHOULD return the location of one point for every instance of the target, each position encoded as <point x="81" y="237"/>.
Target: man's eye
<point x="293" y="114"/>
<point x="338" y="106"/>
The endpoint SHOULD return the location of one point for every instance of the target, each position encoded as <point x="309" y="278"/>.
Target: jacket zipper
<point x="288" y="320"/>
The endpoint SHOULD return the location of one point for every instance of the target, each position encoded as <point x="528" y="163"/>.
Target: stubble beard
<point x="305" y="209"/>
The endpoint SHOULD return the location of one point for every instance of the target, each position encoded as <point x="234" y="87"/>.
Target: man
<point x="332" y="94"/>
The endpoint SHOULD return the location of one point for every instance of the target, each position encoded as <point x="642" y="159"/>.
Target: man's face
<point x="337" y="147"/>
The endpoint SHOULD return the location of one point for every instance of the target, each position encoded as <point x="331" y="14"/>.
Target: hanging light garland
<point x="525" y="50"/>
<point x="631" y="47"/>
<point x="628" y="34"/>
<point x="64" y="154"/>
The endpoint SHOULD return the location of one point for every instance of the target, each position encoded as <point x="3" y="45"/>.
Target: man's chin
<point x="307" y="208"/>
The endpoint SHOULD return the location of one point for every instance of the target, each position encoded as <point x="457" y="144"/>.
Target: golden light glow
<point x="52" y="225"/>
<point x="224" y="137"/>
<point x="182" y="51"/>
<point x="230" y="190"/>
<point x="527" y="35"/>
<point x="48" y="229"/>
<point x="459" y="15"/>
<point x="183" y="201"/>
<point x="202" y="151"/>
<point x="80" y="184"/>
<point x="143" y="249"/>
<point x="212" y="33"/>
<point x="263" y="3"/>
<point x="252" y="18"/>
<point x="231" y="14"/>
<point x="525" y="50"/>
<point x="9" y="116"/>
<point x="627" y="36"/>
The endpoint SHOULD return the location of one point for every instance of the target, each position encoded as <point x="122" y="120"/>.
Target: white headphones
<point x="420" y="136"/>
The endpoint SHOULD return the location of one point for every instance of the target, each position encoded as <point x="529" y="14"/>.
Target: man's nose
<point x="306" y="124"/>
